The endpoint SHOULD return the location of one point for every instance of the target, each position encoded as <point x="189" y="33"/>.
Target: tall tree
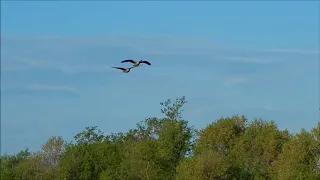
<point x="155" y="148"/>
<point x="81" y="159"/>
<point x="52" y="151"/>
<point x="167" y="148"/>
<point x="221" y="135"/>
<point x="10" y="163"/>
<point x="212" y="154"/>
<point x="257" y="149"/>
<point x="300" y="157"/>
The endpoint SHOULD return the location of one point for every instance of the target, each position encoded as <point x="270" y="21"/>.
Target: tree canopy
<point x="168" y="148"/>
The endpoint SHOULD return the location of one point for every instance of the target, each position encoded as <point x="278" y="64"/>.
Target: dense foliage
<point x="167" y="148"/>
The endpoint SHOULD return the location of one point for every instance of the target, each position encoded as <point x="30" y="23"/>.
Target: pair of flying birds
<point x="135" y="64"/>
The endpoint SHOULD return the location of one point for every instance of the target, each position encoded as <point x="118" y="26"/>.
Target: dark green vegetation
<point x="167" y="148"/>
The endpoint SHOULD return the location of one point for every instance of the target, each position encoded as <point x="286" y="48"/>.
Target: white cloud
<point x="235" y="80"/>
<point x="73" y="55"/>
<point x="94" y="54"/>
<point x="201" y="111"/>
<point x="40" y="87"/>
<point x="248" y="60"/>
<point x="27" y="63"/>
<point x="270" y="108"/>
<point x="291" y="51"/>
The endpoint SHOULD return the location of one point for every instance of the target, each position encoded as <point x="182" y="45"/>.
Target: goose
<point x="125" y="70"/>
<point x="136" y="63"/>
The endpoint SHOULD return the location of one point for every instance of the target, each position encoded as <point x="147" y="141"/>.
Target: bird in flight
<point x="125" y="70"/>
<point x="136" y="63"/>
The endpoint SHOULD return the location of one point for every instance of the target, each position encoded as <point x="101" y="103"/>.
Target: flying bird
<point x="136" y="63"/>
<point x="125" y="70"/>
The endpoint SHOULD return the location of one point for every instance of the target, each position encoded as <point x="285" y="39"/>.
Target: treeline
<point x="169" y="149"/>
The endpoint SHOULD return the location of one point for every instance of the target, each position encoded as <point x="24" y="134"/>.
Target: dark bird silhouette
<point x="136" y="63"/>
<point x="125" y="70"/>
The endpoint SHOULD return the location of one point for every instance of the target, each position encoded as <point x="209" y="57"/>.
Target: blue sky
<point x="260" y="59"/>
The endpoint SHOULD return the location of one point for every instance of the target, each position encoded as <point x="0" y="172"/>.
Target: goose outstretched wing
<point x="146" y="62"/>
<point x="128" y="60"/>
<point x="119" y="68"/>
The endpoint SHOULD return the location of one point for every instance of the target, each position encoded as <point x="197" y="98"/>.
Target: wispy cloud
<point x="41" y="59"/>
<point x="201" y="111"/>
<point x="97" y="54"/>
<point x="65" y="67"/>
<point x="235" y="80"/>
<point x="17" y="63"/>
<point x="291" y="51"/>
<point x="248" y="60"/>
<point x="270" y="108"/>
<point x="41" y="89"/>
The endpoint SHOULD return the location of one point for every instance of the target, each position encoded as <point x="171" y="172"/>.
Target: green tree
<point x="207" y="165"/>
<point x="89" y="135"/>
<point x="93" y="156"/>
<point x="257" y="149"/>
<point x="30" y="169"/>
<point x="300" y="157"/>
<point x="155" y="147"/>
<point x="212" y="157"/>
<point x="221" y="135"/>
<point x="42" y="165"/>
<point x="167" y="148"/>
<point x="315" y="132"/>
<point x="80" y="160"/>
<point x="10" y="163"/>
